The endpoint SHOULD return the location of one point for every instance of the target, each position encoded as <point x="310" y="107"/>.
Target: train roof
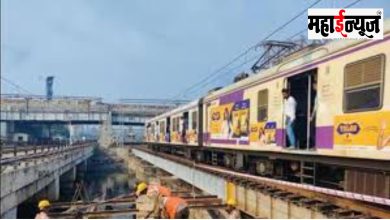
<point x="181" y="108"/>
<point x="304" y="56"/>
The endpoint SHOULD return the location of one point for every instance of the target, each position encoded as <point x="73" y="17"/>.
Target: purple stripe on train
<point x="243" y="142"/>
<point x="324" y="137"/>
<point x="206" y="137"/>
<point x="222" y="141"/>
<point x="232" y="97"/>
<point x="228" y="141"/>
<point x="279" y="136"/>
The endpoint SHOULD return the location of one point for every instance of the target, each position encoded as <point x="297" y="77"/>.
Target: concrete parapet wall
<point x="23" y="182"/>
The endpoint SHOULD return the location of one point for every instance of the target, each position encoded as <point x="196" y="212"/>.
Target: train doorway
<point x="185" y="127"/>
<point x="303" y="88"/>
<point x="168" y="130"/>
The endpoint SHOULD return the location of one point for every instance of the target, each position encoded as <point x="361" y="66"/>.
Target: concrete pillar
<point x="10" y="214"/>
<point x="67" y="183"/>
<point x="69" y="176"/>
<point x="105" y="139"/>
<point x="71" y="133"/>
<point x="81" y="169"/>
<point x="3" y="129"/>
<point x="53" y="190"/>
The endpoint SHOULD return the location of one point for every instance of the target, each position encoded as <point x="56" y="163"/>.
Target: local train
<point x="342" y="90"/>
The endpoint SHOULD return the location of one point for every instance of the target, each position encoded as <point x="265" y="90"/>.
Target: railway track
<point x="334" y="203"/>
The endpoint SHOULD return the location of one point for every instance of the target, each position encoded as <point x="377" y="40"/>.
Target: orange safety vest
<point x="172" y="204"/>
<point x="164" y="191"/>
<point x="160" y="190"/>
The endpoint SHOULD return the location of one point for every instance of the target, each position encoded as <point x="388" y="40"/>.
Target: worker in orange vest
<point x="155" y="188"/>
<point x="157" y="192"/>
<point x="174" y="208"/>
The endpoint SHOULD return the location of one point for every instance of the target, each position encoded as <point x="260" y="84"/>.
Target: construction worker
<point x="146" y="204"/>
<point x="43" y="206"/>
<point x="231" y="210"/>
<point x="174" y="208"/>
<point x="158" y="192"/>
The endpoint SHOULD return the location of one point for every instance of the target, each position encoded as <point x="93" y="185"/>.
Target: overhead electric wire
<point x="212" y="77"/>
<point x="20" y="88"/>
<point x="245" y="52"/>
<point x="305" y="29"/>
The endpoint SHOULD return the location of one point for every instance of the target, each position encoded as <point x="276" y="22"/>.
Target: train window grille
<point x="194" y="117"/>
<point x="363" y="84"/>
<point x="262" y="105"/>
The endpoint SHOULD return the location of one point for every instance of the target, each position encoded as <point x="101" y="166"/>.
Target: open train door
<point x="185" y="121"/>
<point x="303" y="88"/>
<point x="168" y="130"/>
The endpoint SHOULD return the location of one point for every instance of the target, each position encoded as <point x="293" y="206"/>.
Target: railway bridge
<point x="20" y="110"/>
<point x="39" y="170"/>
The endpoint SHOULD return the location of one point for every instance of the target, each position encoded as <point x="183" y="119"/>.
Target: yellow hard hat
<point x="231" y="202"/>
<point x="43" y="204"/>
<point x="141" y="187"/>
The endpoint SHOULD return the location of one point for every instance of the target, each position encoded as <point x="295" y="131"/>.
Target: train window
<point x="175" y="124"/>
<point x="363" y="84"/>
<point x="194" y="117"/>
<point x="162" y="127"/>
<point x="262" y="105"/>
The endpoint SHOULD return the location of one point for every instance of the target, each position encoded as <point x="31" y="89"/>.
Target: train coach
<point x="342" y="126"/>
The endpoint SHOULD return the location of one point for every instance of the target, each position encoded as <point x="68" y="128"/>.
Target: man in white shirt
<point x="290" y="106"/>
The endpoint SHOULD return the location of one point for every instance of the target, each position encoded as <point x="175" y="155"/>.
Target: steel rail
<point x="130" y="198"/>
<point x="128" y="211"/>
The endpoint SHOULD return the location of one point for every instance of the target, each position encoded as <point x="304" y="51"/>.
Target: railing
<point x="11" y="154"/>
<point x="43" y="97"/>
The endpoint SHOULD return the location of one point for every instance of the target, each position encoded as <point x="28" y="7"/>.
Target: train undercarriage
<point x="364" y="176"/>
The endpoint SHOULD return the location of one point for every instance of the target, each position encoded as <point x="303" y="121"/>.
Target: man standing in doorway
<point x="290" y="106"/>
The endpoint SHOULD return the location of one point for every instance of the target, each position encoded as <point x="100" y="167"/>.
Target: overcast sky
<point x="136" y="48"/>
